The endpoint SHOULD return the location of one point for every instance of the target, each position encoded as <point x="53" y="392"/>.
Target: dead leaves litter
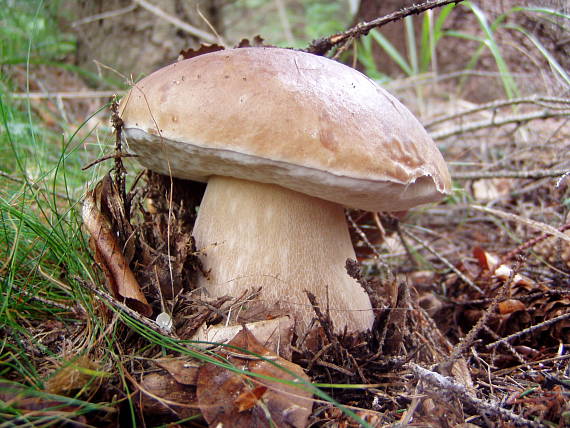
<point x="108" y="253"/>
<point x="227" y="398"/>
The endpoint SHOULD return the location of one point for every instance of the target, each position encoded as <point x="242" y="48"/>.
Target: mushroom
<point x="285" y="140"/>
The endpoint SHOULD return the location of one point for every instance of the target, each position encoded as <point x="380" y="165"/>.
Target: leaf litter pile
<point x="471" y="300"/>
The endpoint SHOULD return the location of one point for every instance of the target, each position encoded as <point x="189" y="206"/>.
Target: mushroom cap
<point x="272" y="115"/>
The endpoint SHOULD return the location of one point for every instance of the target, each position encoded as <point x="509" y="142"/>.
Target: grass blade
<point x="545" y="53"/>
<point x="392" y="52"/>
<point x="509" y="84"/>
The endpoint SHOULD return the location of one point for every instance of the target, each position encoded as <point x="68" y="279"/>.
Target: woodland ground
<point x="472" y="294"/>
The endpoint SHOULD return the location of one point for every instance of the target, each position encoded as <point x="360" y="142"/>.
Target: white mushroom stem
<point x="263" y="235"/>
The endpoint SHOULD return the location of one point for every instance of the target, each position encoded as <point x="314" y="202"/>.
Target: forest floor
<point x="472" y="294"/>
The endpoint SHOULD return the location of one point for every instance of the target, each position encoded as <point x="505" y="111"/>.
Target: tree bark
<point x="454" y="54"/>
<point x="120" y="36"/>
<point x="394" y="32"/>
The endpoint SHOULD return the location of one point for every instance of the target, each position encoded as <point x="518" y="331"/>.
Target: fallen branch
<point x="448" y="389"/>
<point x="446" y="262"/>
<point x="104" y="15"/>
<point x="539" y="173"/>
<point x="65" y="95"/>
<point x="543" y="227"/>
<point x="323" y="45"/>
<point x="496" y="122"/>
<point x="553" y="103"/>
<point x="529" y="330"/>
<point x="190" y="29"/>
<point x="123" y="309"/>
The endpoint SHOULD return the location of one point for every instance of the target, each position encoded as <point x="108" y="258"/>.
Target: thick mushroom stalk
<point x="263" y="235"/>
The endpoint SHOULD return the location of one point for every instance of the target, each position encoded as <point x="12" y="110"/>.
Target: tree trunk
<point x="453" y="54"/>
<point x="122" y="36"/>
<point x="394" y="32"/>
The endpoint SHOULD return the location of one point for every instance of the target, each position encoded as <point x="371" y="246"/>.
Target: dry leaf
<point x="490" y="262"/>
<point x="486" y="260"/>
<point x="182" y="371"/>
<point x="232" y="399"/>
<point x="202" y="50"/>
<point x="511" y="305"/>
<point x="27" y="401"/>
<point x="122" y="282"/>
<point x="164" y="398"/>
<point x="490" y="189"/>
<point x="257" y="42"/>
<point x="250" y="398"/>
<point x="274" y="334"/>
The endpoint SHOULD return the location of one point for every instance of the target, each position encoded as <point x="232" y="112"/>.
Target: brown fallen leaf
<point x="183" y="372"/>
<point x="248" y="399"/>
<point x="165" y="399"/>
<point x="274" y="334"/>
<point x="202" y="50"/>
<point x="511" y="305"/>
<point x="26" y="401"/>
<point x="490" y="189"/>
<point x="232" y="399"/>
<point x="108" y="255"/>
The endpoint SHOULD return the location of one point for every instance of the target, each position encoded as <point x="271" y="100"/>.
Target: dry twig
<point x="34" y="186"/>
<point x="444" y="261"/>
<point x="538" y="173"/>
<point x="66" y="95"/>
<point x="495" y="122"/>
<point x="323" y="45"/>
<point x="552" y="103"/>
<point x="472" y="335"/>
<point x="104" y="15"/>
<point x="543" y="227"/>
<point x="448" y="389"/>
<point x="531" y="243"/>
<point x="124" y="309"/>
<point x="529" y="330"/>
<point x="184" y="26"/>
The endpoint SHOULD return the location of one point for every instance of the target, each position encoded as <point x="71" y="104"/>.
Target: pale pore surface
<point x="263" y="235"/>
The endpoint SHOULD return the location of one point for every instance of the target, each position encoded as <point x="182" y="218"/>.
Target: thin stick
<point x="539" y="173"/>
<point x="107" y="157"/>
<point x="285" y="21"/>
<point x="105" y="297"/>
<point x="529" y="330"/>
<point x="531" y="243"/>
<point x="496" y="122"/>
<point x="190" y="29"/>
<point x="65" y="95"/>
<point x="323" y="45"/>
<point x="33" y="185"/>
<point x="543" y="227"/>
<point x="447" y="389"/>
<point x="104" y="15"/>
<point x="444" y="261"/>
<point x="480" y="324"/>
<point x="537" y="100"/>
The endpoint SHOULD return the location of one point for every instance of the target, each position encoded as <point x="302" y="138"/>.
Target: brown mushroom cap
<point x="286" y="117"/>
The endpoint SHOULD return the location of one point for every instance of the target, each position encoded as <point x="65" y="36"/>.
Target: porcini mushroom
<point x="285" y="140"/>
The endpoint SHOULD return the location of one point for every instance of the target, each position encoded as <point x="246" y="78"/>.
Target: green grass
<point x="42" y="247"/>
<point x="420" y="56"/>
<point x="43" y="251"/>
